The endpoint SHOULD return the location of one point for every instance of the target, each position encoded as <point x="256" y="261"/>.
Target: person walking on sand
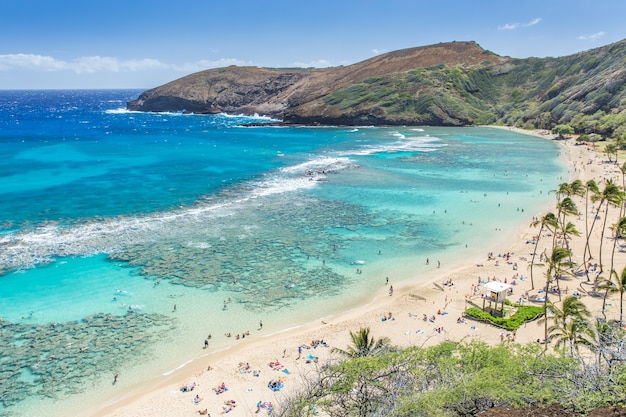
<point x="390" y="290"/>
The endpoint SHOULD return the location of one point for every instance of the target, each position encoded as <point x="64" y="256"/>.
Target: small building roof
<point x="497" y="287"/>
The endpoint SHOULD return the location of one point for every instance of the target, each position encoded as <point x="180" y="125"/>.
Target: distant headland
<point x="447" y="84"/>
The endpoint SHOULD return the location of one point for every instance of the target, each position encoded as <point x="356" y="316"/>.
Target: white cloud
<point x="532" y="22"/>
<point x="320" y="63"/>
<point x="513" y="26"/>
<point x="593" y="37"/>
<point x="82" y="65"/>
<point x="206" y="64"/>
<point x="28" y="61"/>
<point x="96" y="64"/>
<point x="509" y="26"/>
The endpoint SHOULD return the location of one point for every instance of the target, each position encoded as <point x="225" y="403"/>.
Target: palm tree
<point x="619" y="229"/>
<point x="622" y="169"/>
<point x="571" y="326"/>
<point x="547" y="221"/>
<point x="363" y="344"/>
<point x="610" y="150"/>
<point x="590" y="188"/>
<point x="578" y="188"/>
<point x="568" y="231"/>
<point x="557" y="264"/>
<point x="613" y="196"/>
<point x="564" y="207"/>
<point x="616" y="283"/>
<point x="610" y="193"/>
<point x="564" y="189"/>
<point x="573" y="334"/>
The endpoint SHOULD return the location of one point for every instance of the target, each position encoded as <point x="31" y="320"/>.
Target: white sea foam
<point x="182" y="365"/>
<point x="254" y="116"/>
<point x="120" y="110"/>
<point x="41" y="245"/>
<point x="301" y="176"/>
<point x="404" y="144"/>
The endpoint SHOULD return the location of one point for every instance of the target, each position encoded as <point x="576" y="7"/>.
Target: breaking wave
<point x="39" y="246"/>
<point x="403" y="143"/>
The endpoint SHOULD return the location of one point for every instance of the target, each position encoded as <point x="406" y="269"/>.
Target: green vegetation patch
<point x="452" y="380"/>
<point x="514" y="322"/>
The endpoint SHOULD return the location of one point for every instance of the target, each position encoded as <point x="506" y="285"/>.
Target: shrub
<point x="514" y="322"/>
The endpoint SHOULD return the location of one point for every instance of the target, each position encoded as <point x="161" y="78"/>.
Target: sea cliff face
<point x="297" y="95"/>
<point x="448" y="84"/>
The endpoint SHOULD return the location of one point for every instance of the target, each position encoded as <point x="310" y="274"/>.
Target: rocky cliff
<point x="295" y="94"/>
<point x="450" y="84"/>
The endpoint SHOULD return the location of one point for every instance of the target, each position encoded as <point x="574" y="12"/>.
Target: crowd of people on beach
<point x="450" y="294"/>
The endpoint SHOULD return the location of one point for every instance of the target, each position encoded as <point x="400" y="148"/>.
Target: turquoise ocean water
<point x="126" y="237"/>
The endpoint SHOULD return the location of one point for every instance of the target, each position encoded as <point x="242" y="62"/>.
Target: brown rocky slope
<point x="296" y="93"/>
<point x="448" y="84"/>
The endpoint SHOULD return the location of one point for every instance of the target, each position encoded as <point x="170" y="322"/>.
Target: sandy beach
<point x="411" y="313"/>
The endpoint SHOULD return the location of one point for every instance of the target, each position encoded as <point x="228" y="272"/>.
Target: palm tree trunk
<point x="545" y="313"/>
<point x="587" y="246"/>
<point x="606" y="295"/>
<point x="621" y="307"/>
<point x="606" y="216"/>
<point x="532" y="261"/>
<point x="613" y="251"/>
<point x="586" y="234"/>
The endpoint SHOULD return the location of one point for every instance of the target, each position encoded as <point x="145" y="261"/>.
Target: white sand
<point x="162" y="397"/>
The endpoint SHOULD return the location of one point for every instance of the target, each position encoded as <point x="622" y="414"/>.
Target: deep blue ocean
<point x="135" y="227"/>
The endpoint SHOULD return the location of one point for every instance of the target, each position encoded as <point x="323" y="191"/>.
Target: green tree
<point x="591" y="188"/>
<point x="557" y="263"/>
<point x="570" y="325"/>
<point x="363" y="344"/>
<point x="550" y="222"/>
<point x="619" y="229"/>
<point x="622" y="169"/>
<point x="613" y="196"/>
<point x="578" y="188"/>
<point x="611" y="150"/>
<point x="572" y="334"/>
<point x="616" y="284"/>
<point x="568" y="231"/>
<point x="565" y="207"/>
<point x="562" y="130"/>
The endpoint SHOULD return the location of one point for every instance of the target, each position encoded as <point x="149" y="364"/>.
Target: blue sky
<point x="143" y="44"/>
